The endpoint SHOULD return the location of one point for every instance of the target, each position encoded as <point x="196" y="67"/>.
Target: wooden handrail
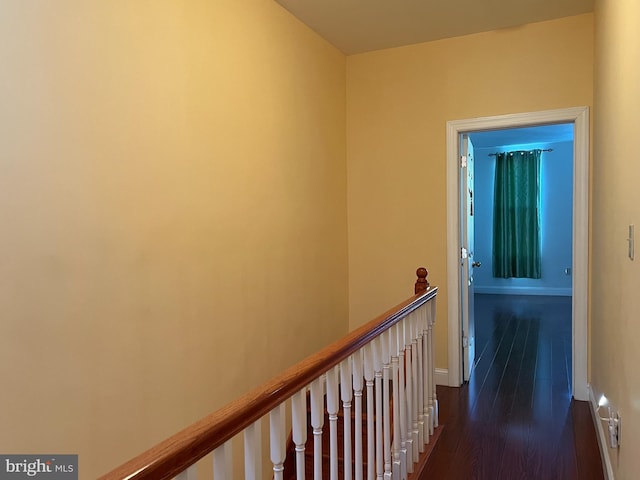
<point x="175" y="454"/>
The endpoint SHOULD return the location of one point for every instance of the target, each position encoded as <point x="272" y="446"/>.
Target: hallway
<point x="515" y="418"/>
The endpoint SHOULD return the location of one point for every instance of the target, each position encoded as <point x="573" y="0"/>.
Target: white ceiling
<point x="356" y="26"/>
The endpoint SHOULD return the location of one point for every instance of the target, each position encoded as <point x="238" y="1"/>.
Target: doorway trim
<point x="579" y="116"/>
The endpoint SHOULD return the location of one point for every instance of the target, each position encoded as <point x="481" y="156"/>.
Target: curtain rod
<point x="542" y="150"/>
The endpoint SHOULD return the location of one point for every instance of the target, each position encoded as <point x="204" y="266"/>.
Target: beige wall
<point x="398" y="103"/>
<point x="173" y="211"/>
<point x="616" y="204"/>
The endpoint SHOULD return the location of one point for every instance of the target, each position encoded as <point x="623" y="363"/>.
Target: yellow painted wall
<point x="616" y="204"/>
<point x="173" y="211"/>
<point x="398" y="103"/>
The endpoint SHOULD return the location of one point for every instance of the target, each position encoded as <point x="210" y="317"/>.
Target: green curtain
<point x="516" y="215"/>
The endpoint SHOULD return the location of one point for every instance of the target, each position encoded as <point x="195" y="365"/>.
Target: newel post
<point x="422" y="285"/>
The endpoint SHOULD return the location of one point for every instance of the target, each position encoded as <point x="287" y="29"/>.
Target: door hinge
<point x="465" y="341"/>
<point x="463" y="161"/>
<point x="463" y="252"/>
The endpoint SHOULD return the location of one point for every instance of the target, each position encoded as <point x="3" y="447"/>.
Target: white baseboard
<point x="556" y="292"/>
<point x="442" y="376"/>
<point x="602" y="437"/>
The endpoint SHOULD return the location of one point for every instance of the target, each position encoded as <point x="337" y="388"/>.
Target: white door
<point x="467" y="263"/>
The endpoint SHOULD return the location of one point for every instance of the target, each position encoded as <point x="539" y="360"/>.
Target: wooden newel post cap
<point x="422" y="285"/>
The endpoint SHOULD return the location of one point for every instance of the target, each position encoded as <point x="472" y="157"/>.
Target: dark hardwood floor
<point x="515" y="419"/>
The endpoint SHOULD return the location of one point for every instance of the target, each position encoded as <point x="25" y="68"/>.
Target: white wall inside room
<point x="556" y="204"/>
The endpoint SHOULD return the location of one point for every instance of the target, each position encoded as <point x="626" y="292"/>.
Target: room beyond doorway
<point x="556" y="201"/>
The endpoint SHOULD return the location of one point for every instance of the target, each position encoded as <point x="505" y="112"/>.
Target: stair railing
<point x="390" y="360"/>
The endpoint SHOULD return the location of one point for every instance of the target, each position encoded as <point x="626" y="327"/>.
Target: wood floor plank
<point x="589" y="464"/>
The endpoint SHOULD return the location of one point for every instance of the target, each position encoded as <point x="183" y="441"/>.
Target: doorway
<point x="490" y="296"/>
<point x="458" y="301"/>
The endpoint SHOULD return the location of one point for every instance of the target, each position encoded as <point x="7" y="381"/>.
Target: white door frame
<point x="579" y="116"/>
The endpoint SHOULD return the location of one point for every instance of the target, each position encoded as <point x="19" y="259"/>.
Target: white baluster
<point x="299" y="429"/>
<point x="414" y="384"/>
<point x="368" y="376"/>
<point x="425" y="373"/>
<point x="357" y="393"/>
<point x="424" y="403"/>
<point x="409" y="393"/>
<point x="223" y="462"/>
<point x="377" y="368"/>
<point x="278" y="441"/>
<point x="386" y="413"/>
<point x="402" y="403"/>
<point x="253" y="451"/>
<point x="427" y="378"/>
<point x="420" y="380"/>
<point x="189" y="474"/>
<point x="393" y="343"/>
<point x="332" y="409"/>
<point x="317" y="422"/>
<point x="346" y="394"/>
<point x="432" y="370"/>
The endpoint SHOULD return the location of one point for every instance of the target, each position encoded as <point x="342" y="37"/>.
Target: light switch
<point x="631" y="240"/>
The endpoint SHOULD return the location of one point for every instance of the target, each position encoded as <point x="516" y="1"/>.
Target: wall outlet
<point x="614" y="430"/>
